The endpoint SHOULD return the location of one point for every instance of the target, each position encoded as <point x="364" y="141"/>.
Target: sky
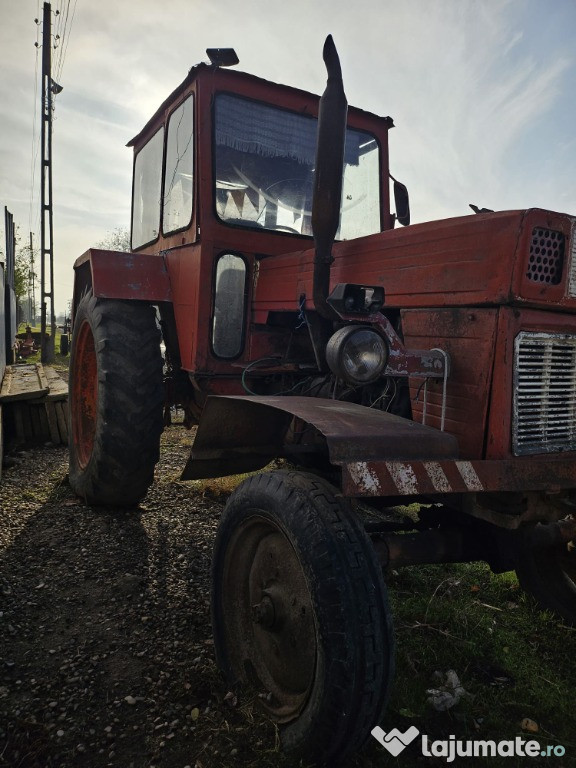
<point x="481" y="92"/>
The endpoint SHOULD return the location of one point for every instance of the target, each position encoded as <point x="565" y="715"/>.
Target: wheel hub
<point x="264" y="612"/>
<point x="271" y="625"/>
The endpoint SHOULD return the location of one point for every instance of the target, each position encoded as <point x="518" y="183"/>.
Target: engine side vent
<point x="546" y="259"/>
<point x="544" y="393"/>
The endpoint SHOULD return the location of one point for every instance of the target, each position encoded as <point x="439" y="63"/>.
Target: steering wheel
<point x="285" y="228"/>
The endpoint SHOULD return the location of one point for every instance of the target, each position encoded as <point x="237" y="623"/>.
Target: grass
<point x="61" y="362"/>
<point x="516" y="662"/>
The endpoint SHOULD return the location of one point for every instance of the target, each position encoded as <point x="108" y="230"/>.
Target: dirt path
<point x="106" y="655"/>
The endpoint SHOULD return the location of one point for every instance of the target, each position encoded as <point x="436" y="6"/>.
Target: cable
<point x="245" y="387"/>
<point x="60" y="34"/>
<point x="66" y="38"/>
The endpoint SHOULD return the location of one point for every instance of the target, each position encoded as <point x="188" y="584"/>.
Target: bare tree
<point x="117" y="240"/>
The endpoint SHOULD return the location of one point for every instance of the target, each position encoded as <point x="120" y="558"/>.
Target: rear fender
<point x="242" y="434"/>
<point x="121" y="275"/>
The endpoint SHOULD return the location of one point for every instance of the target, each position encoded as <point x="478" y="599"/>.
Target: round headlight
<point x="357" y="354"/>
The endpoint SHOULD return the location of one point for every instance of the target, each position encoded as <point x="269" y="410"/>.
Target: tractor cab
<point x="229" y="151"/>
<point x="223" y="180"/>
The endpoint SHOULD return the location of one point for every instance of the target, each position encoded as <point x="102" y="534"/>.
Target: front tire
<point x="116" y="399"/>
<point x="300" y="612"/>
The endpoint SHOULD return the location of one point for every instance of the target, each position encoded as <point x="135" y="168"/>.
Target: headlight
<point x="357" y="354"/>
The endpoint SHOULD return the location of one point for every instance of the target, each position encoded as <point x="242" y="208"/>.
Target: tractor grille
<point x="546" y="256"/>
<point x="544" y="393"/>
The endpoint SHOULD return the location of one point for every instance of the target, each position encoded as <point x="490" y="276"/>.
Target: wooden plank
<point x="22" y="382"/>
<point x="52" y="422"/>
<point x="45" y="426"/>
<point x="6" y="382"/>
<point x="19" y="422"/>
<point x="41" y="376"/>
<point x="58" y="387"/>
<point x="62" y="427"/>
<point x="36" y="425"/>
<point x="27" y="422"/>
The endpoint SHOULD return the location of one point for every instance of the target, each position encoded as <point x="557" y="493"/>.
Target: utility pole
<point x="31" y="287"/>
<point x="9" y="293"/>
<point x="46" y="232"/>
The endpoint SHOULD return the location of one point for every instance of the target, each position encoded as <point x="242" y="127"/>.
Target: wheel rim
<point x="269" y="618"/>
<point x="85" y="395"/>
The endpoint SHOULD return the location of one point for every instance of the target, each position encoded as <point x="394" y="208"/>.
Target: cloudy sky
<point x="481" y="92"/>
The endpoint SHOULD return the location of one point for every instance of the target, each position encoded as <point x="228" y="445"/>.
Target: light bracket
<point x="351" y="299"/>
<point x="222" y="57"/>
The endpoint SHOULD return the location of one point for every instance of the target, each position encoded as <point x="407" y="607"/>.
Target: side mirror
<point x="402" y="202"/>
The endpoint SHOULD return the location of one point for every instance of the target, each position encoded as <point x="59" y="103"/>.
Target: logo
<point x="395" y="741"/>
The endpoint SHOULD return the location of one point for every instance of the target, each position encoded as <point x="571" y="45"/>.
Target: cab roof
<point x="198" y="71"/>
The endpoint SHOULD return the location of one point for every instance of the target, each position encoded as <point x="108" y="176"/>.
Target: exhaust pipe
<point x="328" y="173"/>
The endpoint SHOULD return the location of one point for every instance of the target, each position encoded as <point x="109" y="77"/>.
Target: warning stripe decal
<point x="425" y="478"/>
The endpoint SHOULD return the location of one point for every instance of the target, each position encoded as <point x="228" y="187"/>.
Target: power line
<point x="69" y="33"/>
<point x="60" y="61"/>
<point x="59" y="32"/>
<point x="65" y="39"/>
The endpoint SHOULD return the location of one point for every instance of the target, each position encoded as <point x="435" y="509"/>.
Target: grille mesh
<point x="546" y="258"/>
<point x="544" y="393"/>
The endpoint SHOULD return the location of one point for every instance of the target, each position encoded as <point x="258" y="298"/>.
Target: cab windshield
<point x="264" y="162"/>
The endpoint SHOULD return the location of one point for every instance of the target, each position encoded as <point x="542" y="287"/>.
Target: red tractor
<point x="431" y="363"/>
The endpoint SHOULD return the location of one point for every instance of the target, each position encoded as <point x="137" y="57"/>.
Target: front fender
<point x="242" y="434"/>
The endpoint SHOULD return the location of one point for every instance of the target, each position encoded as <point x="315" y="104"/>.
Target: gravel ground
<point x="106" y="655"/>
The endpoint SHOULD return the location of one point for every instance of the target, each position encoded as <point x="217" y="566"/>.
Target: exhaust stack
<point x="328" y="173"/>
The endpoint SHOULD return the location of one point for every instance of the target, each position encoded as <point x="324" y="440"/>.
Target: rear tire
<point x="116" y="399"/>
<point x="300" y="613"/>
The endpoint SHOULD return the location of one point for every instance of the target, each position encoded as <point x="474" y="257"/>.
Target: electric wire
<point x="62" y="29"/>
<point x="65" y="40"/>
<point x="59" y="35"/>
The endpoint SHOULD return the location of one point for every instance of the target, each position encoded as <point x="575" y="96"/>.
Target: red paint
<point x="473" y="260"/>
<point x="85" y="395"/>
<point x="468" y="336"/>
<point x="121" y="275"/>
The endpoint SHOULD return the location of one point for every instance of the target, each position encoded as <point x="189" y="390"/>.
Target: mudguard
<point x="121" y="275"/>
<point x="242" y="434"/>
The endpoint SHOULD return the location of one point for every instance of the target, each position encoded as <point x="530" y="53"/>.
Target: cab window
<point x="179" y="170"/>
<point x="264" y="162"/>
<point x="146" y="191"/>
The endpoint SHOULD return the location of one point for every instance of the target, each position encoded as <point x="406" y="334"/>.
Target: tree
<point x="22" y="273"/>
<point x="117" y="240"/>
